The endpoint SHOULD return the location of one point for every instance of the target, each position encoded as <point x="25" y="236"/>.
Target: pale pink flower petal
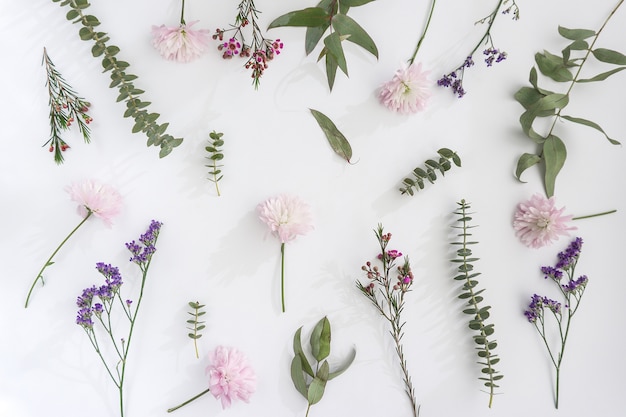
<point x="287" y="216"/>
<point x="408" y="91"/>
<point x="180" y="43"/>
<point x="230" y="376"/>
<point x="102" y="200"/>
<point x="538" y="222"/>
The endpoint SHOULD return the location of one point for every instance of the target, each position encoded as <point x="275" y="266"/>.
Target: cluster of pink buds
<point x="64" y="147"/>
<point x="405" y="279"/>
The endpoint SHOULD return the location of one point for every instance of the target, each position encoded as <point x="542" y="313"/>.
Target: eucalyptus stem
<point x="169" y="410"/>
<point x="49" y="261"/>
<point x="421" y="39"/>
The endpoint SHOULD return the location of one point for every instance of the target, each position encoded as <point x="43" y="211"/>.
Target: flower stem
<point x="49" y="261"/>
<point x="421" y="39"/>
<point x="307" y="410"/>
<point x="594" y="215"/>
<point x="282" y="275"/>
<point x="182" y="13"/>
<point x="169" y="410"/>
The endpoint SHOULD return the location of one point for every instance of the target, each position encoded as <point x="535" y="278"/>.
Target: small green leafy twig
<point x="413" y="185"/>
<point x="467" y="275"/>
<point x="336" y="139"/>
<point x="196" y="325"/>
<point x="311" y="384"/>
<point x="538" y="102"/>
<point x="329" y="15"/>
<point x="66" y="107"/>
<point x="215" y="155"/>
<point x="137" y="109"/>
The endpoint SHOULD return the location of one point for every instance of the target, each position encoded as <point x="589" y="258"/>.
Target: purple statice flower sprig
<point x="386" y="288"/>
<point x="454" y="79"/>
<point x="99" y="316"/>
<point x="571" y="289"/>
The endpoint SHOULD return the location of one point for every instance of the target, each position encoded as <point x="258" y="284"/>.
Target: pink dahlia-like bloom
<point x="180" y="43"/>
<point x="230" y="376"/>
<point x="102" y="200"/>
<point x="287" y="216"/>
<point x="407" y="92"/>
<point x="538" y="222"/>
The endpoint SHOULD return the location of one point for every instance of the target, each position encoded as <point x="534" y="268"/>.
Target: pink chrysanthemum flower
<point x="287" y="216"/>
<point x="180" y="43"/>
<point x="408" y="91"/>
<point x="538" y="222"/>
<point x="102" y="200"/>
<point x="230" y="376"/>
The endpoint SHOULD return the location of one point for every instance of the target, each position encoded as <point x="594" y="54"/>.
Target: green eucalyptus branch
<point x="538" y="102"/>
<point x="467" y="275"/>
<point x="215" y="155"/>
<point x="196" y="325"/>
<point x="66" y="107"/>
<point x="330" y="15"/>
<point x="309" y="383"/>
<point x="136" y="108"/>
<point x="445" y="155"/>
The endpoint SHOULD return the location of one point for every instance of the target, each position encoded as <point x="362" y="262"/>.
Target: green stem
<point x="419" y="43"/>
<point x="282" y="275"/>
<point x="492" y="19"/>
<point x="594" y="215"/>
<point x="169" y="410"/>
<point x="307" y="410"/>
<point x="48" y="262"/>
<point x="182" y="14"/>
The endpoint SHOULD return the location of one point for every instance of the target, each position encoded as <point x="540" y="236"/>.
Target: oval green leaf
<point x="554" y="155"/>
<point x="336" y="139"/>
<point x="309" y="17"/>
<point x="347" y="26"/>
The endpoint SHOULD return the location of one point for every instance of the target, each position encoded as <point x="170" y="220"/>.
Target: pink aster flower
<point x="180" y="43"/>
<point x="230" y="377"/>
<point x="103" y="201"/>
<point x="287" y="217"/>
<point x="538" y="222"/>
<point x="407" y="92"/>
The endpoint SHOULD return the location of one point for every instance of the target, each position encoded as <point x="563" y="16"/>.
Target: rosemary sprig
<point x="66" y="107"/>
<point x="196" y="325"/>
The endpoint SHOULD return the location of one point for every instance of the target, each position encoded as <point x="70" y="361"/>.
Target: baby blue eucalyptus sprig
<point x="196" y="324"/>
<point x="411" y="185"/>
<point x="136" y="108"/>
<point x="312" y="383"/>
<point x="475" y="308"/>
<point x="333" y="15"/>
<point x="215" y="156"/>
<point x="565" y="67"/>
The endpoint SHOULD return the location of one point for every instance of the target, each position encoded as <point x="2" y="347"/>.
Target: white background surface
<point x="215" y="250"/>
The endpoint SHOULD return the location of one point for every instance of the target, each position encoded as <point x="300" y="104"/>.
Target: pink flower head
<point x="180" y="43"/>
<point x="538" y="223"/>
<point x="230" y="376"/>
<point x="102" y="200"/>
<point x="287" y="216"/>
<point x="407" y="92"/>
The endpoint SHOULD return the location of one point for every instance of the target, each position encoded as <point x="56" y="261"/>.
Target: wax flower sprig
<point x="66" y="107"/>
<point x="491" y="54"/>
<point x="259" y="51"/>
<point x="571" y="292"/>
<point x="98" y="309"/>
<point x="93" y="198"/>
<point x="180" y="43"/>
<point x="538" y="102"/>
<point x="386" y="294"/>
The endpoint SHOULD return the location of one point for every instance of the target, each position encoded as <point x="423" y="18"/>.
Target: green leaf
<point x="609" y="56"/>
<point x="72" y="14"/>
<point x="355" y="3"/>
<point x="337" y="140"/>
<point x="316" y="389"/>
<point x="297" y="349"/>
<point x="346" y="26"/>
<point x="320" y="339"/>
<point x="575" y="34"/>
<point x="309" y="17"/>
<point x="333" y="45"/>
<point x="554" y="155"/>
<point x="313" y="36"/>
<point x="345" y="365"/>
<point x="524" y="162"/>
<point x="98" y="49"/>
<point x="533" y="80"/>
<point x="553" y="66"/>
<point x="297" y="376"/>
<point x="592" y="125"/>
<point x="331" y="70"/>
<point x="601" y="77"/>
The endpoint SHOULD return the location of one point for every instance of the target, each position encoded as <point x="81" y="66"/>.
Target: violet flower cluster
<point x="97" y="311"/>
<point x="571" y="289"/>
<point x="454" y="79"/>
